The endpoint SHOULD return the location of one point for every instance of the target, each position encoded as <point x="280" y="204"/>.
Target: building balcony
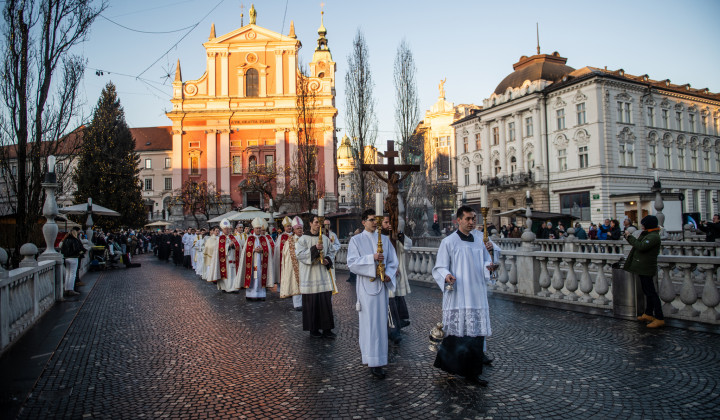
<point x="516" y="179"/>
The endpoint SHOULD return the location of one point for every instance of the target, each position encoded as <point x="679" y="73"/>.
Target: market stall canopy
<point x="83" y="209"/>
<point x="250" y="213"/>
<point x="218" y="219"/>
<point x="158" y="223"/>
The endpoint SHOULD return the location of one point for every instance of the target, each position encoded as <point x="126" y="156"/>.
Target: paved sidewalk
<point x="157" y="342"/>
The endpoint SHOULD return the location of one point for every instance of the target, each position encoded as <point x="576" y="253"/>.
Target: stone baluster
<point x="512" y="277"/>
<point x="430" y="266"/>
<point x="571" y="282"/>
<point x="602" y="284"/>
<point x="544" y="280"/>
<point x="688" y="295"/>
<point x="557" y="279"/>
<point x="586" y="285"/>
<point x="710" y="296"/>
<point x="503" y="277"/>
<point x="666" y="289"/>
<point x="411" y="265"/>
<point x="28" y="251"/>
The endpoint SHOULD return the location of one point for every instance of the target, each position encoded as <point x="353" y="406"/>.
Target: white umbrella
<point x="250" y="213"/>
<point x="83" y="209"/>
<point x="158" y="223"/>
<point x="227" y="215"/>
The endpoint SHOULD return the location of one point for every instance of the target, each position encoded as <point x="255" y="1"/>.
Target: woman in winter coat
<point x="642" y="261"/>
<point x="73" y="250"/>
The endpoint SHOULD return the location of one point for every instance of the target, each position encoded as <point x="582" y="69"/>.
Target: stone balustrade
<point x="580" y="273"/>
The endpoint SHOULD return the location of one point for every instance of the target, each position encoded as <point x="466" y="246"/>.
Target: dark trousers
<point x="653" y="307"/>
<point x="317" y="312"/>
<point x="402" y="307"/>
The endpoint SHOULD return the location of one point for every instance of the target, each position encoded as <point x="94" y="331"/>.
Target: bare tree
<point x="303" y="187"/>
<point x="37" y="39"/>
<point x="198" y="198"/>
<point x="407" y="107"/>
<point x="360" y="109"/>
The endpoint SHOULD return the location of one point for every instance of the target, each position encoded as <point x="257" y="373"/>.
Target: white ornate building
<point x="587" y="142"/>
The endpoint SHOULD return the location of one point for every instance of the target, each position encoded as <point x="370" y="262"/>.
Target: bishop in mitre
<point x="315" y="282"/>
<point x="257" y="271"/>
<point x="280" y="245"/>
<point x="290" y="266"/>
<point x="223" y="269"/>
<point x="372" y="292"/>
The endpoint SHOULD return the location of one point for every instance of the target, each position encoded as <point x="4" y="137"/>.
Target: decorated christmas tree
<point x="108" y="169"/>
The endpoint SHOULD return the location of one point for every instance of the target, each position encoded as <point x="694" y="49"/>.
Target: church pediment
<point x="248" y="34"/>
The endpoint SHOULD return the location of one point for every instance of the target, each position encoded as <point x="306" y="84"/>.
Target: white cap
<point x="286" y="221"/>
<point x="297" y="221"/>
<point x="225" y="223"/>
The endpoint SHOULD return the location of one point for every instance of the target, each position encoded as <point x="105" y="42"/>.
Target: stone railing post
<point x="557" y="279"/>
<point x="571" y="282"/>
<point x="666" y="290"/>
<point x="544" y="279"/>
<point x="688" y="295"/>
<point x="50" y="229"/>
<point x="4" y="302"/>
<point x="710" y="296"/>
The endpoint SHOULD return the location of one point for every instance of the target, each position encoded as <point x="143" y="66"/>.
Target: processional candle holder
<point x="486" y="237"/>
<point x="380" y="272"/>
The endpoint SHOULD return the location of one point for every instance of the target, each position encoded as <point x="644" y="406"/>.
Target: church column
<point x="503" y="147"/>
<point x="329" y="163"/>
<point x="520" y="153"/>
<point x="177" y="160"/>
<point x="224" y="185"/>
<point x="241" y="83"/>
<point x="211" y="140"/>
<point x="263" y="82"/>
<point x="292" y="71"/>
<point x="224" y="82"/>
<point x="488" y="163"/>
<point x="280" y="157"/>
<point x="211" y="73"/>
<point x="278" y="72"/>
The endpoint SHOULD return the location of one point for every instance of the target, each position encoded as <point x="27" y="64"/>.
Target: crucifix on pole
<point x="392" y="180"/>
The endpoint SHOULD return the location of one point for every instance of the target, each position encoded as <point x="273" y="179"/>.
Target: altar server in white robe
<point x="224" y="263"/>
<point x="335" y="245"/>
<point x="372" y="293"/>
<point x="197" y="253"/>
<point x="290" y="266"/>
<point x="187" y="240"/>
<point x="282" y="238"/>
<point x="315" y="282"/>
<point x="209" y="246"/>
<point x="462" y="271"/>
<point x="257" y="271"/>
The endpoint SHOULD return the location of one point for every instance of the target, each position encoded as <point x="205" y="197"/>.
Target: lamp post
<point x="89" y="221"/>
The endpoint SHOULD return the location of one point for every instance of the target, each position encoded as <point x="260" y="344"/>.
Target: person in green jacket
<point x="642" y="261"/>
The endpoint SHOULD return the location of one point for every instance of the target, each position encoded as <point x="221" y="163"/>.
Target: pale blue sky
<point x="471" y="43"/>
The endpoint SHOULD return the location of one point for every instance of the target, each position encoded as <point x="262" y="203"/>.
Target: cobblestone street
<point x="156" y="342"/>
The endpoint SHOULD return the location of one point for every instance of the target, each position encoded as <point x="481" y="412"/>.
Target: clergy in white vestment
<point x="209" y="246"/>
<point x="241" y="232"/>
<point x="315" y="283"/>
<point x="187" y="240"/>
<point x="335" y="245"/>
<point x="224" y="263"/>
<point x="197" y="258"/>
<point x="290" y="266"/>
<point x="372" y="293"/>
<point x="257" y="271"/>
<point x="287" y="233"/>
<point x="462" y="272"/>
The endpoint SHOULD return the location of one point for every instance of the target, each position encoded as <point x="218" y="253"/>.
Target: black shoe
<point x="378" y="372"/>
<point x="315" y="334"/>
<point x="404" y="323"/>
<point x="487" y="360"/>
<point x="477" y="381"/>
<point x="299" y="309"/>
<point x="329" y="334"/>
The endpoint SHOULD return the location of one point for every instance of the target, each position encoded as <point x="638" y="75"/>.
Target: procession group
<point x="301" y="261"/>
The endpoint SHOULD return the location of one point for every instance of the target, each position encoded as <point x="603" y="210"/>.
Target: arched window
<point x="252" y="163"/>
<point x="511" y="203"/>
<point x="251" y="83"/>
<point x="497" y="167"/>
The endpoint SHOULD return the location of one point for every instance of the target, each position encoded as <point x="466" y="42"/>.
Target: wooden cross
<point x="390" y="167"/>
<point x="391" y="202"/>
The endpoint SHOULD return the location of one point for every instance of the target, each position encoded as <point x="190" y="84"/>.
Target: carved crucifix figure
<point x="392" y="180"/>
